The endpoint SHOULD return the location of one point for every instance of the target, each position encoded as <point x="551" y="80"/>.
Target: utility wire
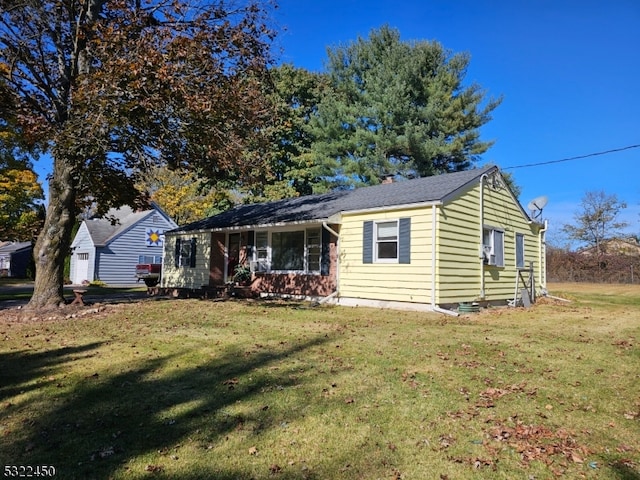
<point x="573" y="158"/>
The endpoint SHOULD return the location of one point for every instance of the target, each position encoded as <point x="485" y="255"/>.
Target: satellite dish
<point x="536" y="205"/>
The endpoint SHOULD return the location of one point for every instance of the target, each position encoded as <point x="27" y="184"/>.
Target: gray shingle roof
<point x="101" y="229"/>
<point x="321" y="207"/>
<point x="12" y="247"/>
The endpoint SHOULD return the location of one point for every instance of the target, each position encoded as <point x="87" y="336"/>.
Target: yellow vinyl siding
<point x="386" y="281"/>
<point x="459" y="244"/>
<point x="458" y="248"/>
<point x="501" y="211"/>
<point x="187" y="277"/>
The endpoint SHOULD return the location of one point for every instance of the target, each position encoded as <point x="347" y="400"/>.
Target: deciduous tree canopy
<point x="596" y="219"/>
<point x="114" y="86"/>
<point x="184" y="196"/>
<point x="292" y="167"/>
<point x="20" y="212"/>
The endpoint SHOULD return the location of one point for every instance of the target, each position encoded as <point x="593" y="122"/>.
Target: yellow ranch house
<point x="432" y="243"/>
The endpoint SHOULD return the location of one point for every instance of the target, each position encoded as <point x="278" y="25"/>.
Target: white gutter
<point x="327" y="298"/>
<point x="481" y="205"/>
<point x="542" y="281"/>
<point x="434" y="225"/>
<point x="390" y="208"/>
<point x="243" y="228"/>
<point x="331" y="230"/>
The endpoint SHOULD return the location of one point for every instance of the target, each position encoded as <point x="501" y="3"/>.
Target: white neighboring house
<point x="109" y="252"/>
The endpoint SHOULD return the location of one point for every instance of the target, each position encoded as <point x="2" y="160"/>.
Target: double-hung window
<point x="313" y="249"/>
<point x="262" y="252"/>
<point x="386" y="241"/>
<point x="148" y="258"/>
<point x="185" y="253"/>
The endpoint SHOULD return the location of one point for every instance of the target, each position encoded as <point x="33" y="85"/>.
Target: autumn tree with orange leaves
<point x="21" y="210"/>
<point x="112" y="87"/>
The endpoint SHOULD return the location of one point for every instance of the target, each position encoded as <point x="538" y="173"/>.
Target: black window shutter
<point x="251" y="241"/>
<point x="404" y="238"/>
<point x="176" y="256"/>
<point x="367" y="242"/>
<point x="325" y="258"/>
<point x="192" y="258"/>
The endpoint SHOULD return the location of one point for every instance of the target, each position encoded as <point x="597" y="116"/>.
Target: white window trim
<point x="269" y="260"/>
<point x="184" y="261"/>
<point x="375" y="242"/>
<point x="524" y="257"/>
<point x="490" y="249"/>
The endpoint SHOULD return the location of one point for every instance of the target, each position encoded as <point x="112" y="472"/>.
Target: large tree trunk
<point x="54" y="241"/>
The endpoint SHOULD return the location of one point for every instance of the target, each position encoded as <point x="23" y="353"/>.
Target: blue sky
<point x="568" y="71"/>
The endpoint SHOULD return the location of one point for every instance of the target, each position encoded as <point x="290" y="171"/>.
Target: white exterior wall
<point x="82" y="244"/>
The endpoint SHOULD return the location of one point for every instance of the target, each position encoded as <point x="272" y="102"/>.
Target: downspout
<point x="481" y="205"/>
<point x="161" y="279"/>
<point x="434" y="225"/>
<point x="337" y="235"/>
<point x="542" y="281"/>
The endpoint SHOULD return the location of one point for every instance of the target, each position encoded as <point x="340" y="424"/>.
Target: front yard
<point x="195" y="389"/>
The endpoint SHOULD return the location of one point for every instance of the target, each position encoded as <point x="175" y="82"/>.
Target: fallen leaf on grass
<point x="154" y="468"/>
<point x="480" y="462"/>
<point x="231" y="383"/>
<point x="446" y="441"/>
<point x="537" y="442"/>
<point x="624" y="448"/>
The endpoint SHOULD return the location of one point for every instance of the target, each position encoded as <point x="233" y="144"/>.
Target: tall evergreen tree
<point x="398" y="108"/>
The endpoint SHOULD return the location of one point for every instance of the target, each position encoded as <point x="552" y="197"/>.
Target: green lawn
<point x="196" y="389"/>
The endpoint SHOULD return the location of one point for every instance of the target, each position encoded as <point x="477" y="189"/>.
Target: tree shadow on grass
<point x="108" y="420"/>
<point x="19" y="371"/>
<point x="625" y="471"/>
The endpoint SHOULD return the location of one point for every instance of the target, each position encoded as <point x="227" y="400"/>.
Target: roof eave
<point x="241" y="228"/>
<point x="388" y="208"/>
